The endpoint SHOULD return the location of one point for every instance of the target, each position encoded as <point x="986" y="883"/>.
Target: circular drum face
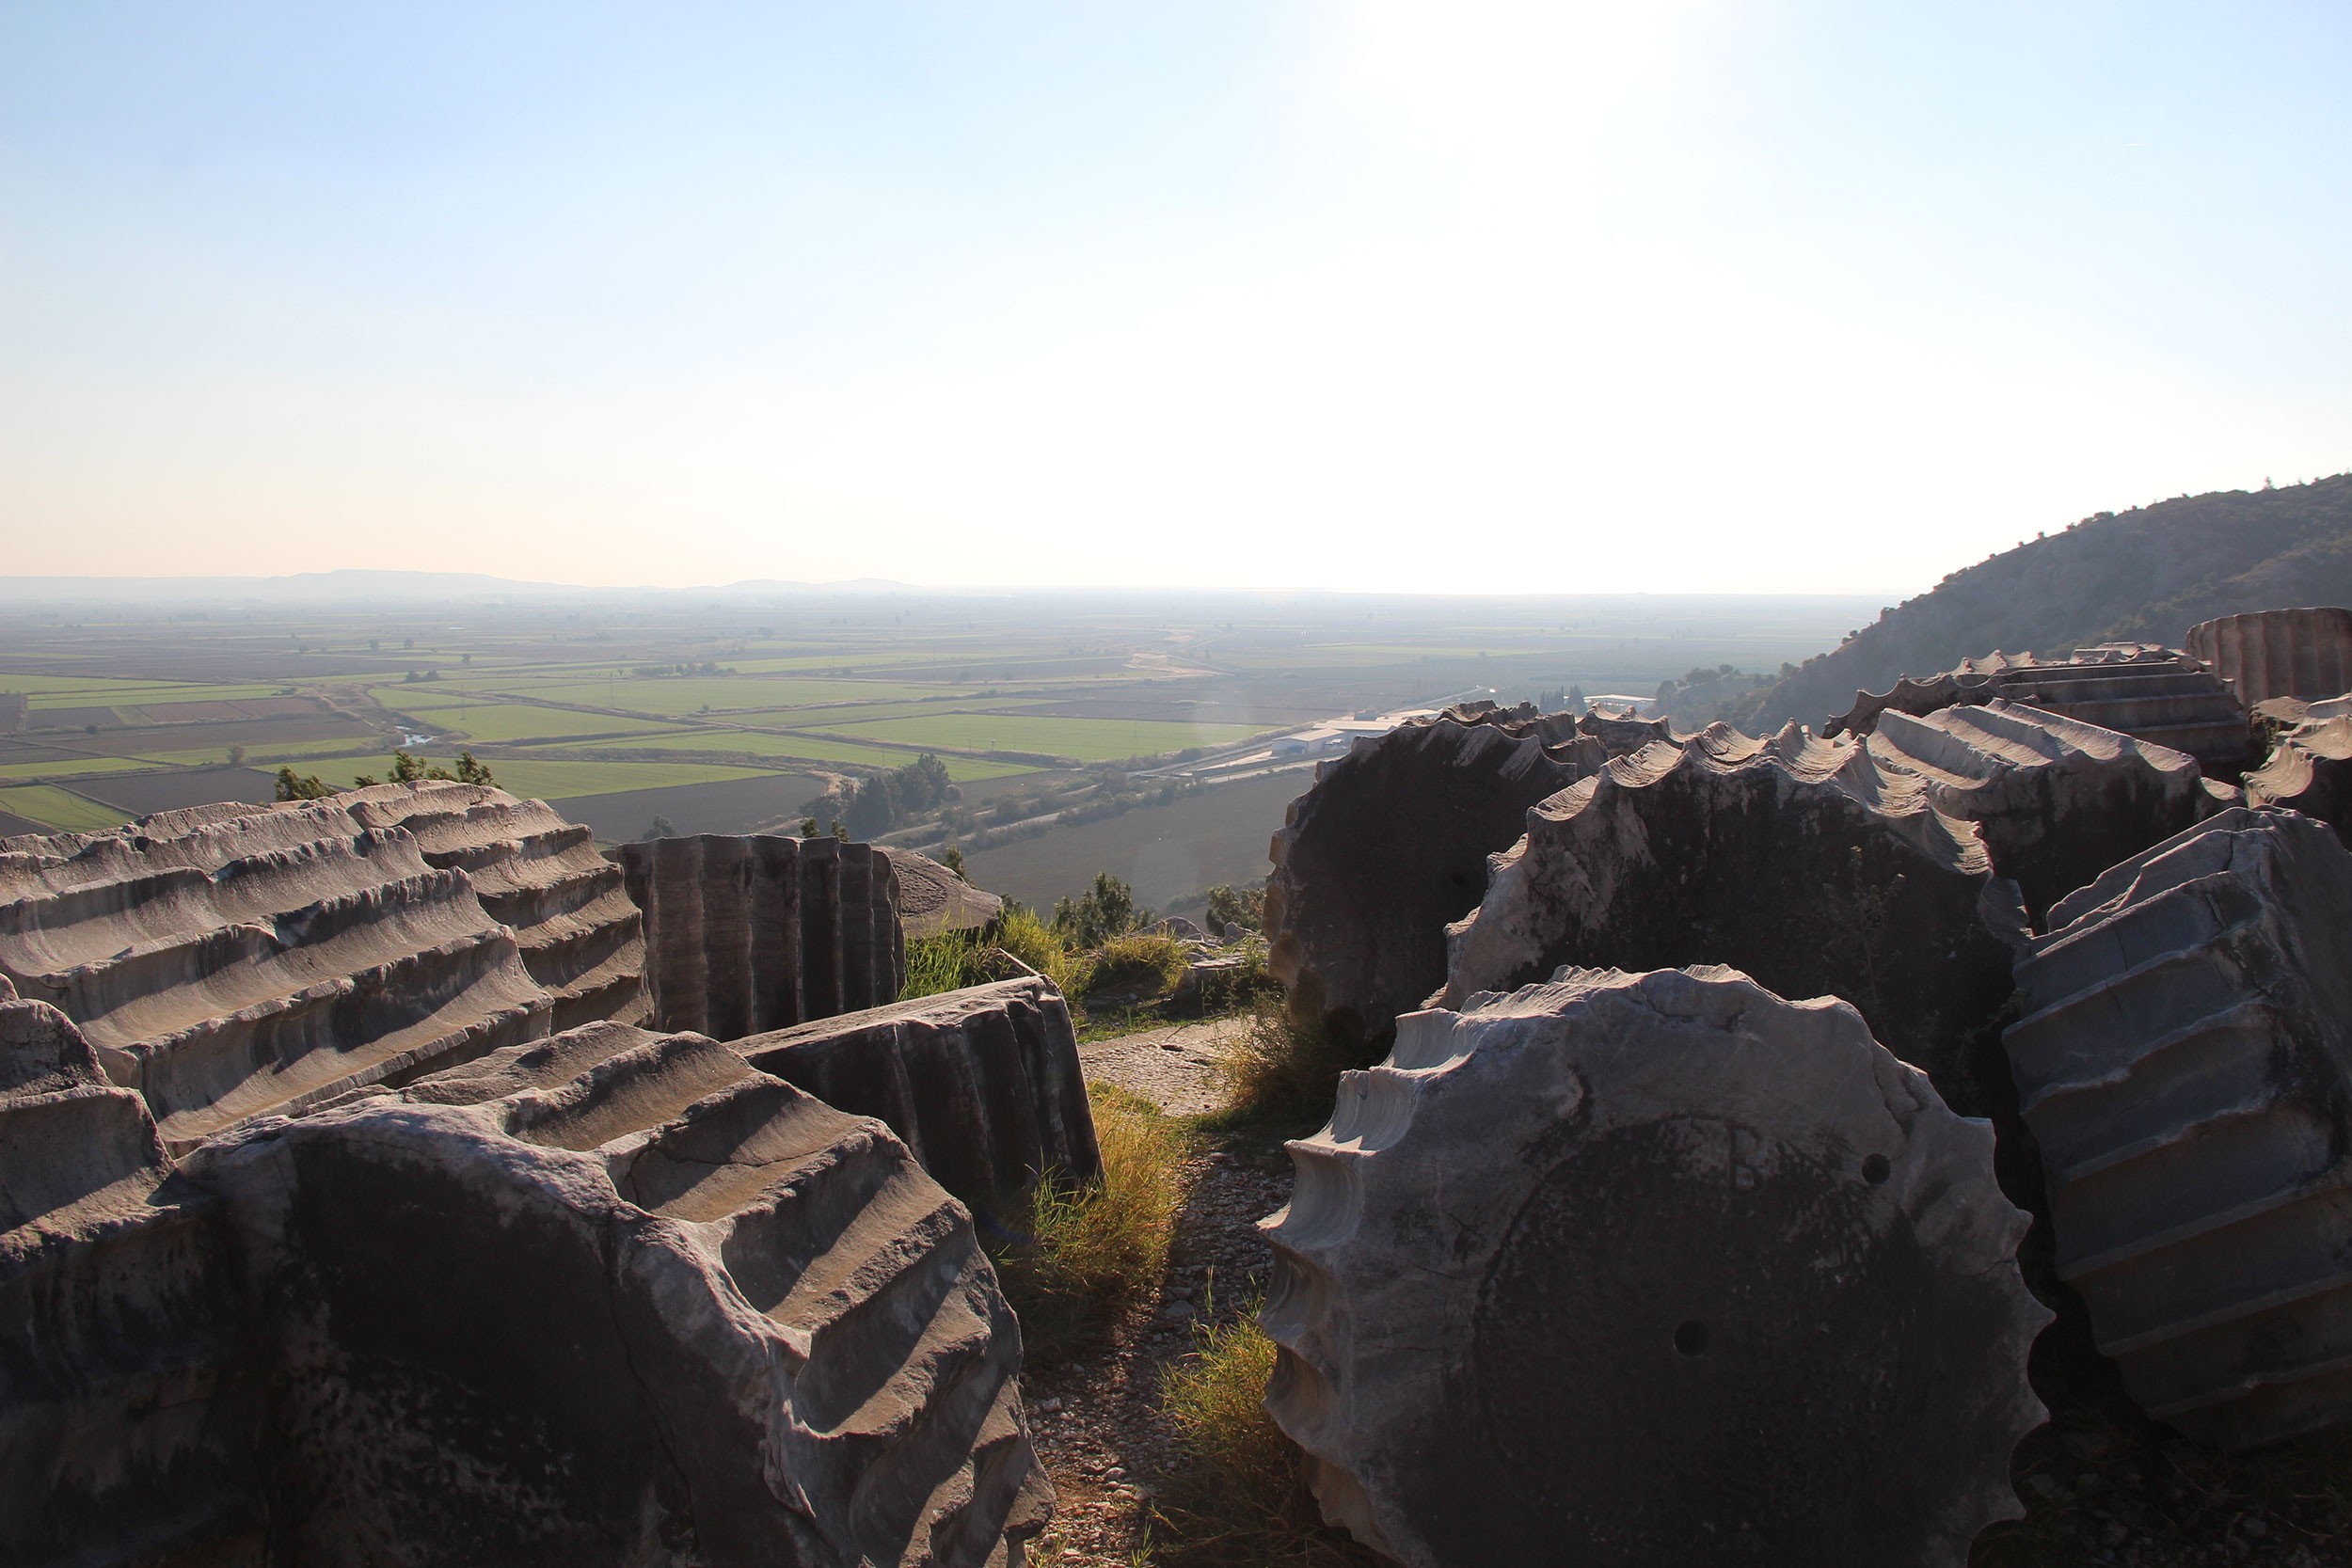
<point x="1693" y="1331"/>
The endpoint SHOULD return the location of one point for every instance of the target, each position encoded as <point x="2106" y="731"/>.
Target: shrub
<point x="1086" y="1251"/>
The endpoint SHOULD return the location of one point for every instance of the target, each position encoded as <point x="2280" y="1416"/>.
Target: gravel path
<point x="1174" y="1067"/>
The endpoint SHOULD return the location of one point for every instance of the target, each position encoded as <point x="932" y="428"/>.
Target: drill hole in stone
<point x="1875" y="1169"/>
<point x="1690" y="1337"/>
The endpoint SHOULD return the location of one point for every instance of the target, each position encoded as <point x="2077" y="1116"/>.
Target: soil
<point x="1094" y="1416"/>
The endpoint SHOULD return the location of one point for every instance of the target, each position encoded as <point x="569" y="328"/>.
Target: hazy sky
<point x="1454" y="296"/>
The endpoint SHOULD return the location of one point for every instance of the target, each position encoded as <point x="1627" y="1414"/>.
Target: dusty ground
<point x="1095" y="1418"/>
<point x="1173" y="1067"/>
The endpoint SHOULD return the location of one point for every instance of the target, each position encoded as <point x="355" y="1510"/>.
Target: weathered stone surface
<point x="619" y="1298"/>
<point x="2186" y="1063"/>
<point x="2057" y="800"/>
<point x="2311" y="770"/>
<point x="1389" y="844"/>
<point x="1630" y="1270"/>
<point x="537" y="872"/>
<point x="983" y="1084"/>
<point x="230" y="961"/>
<point x="746" y="934"/>
<point x="2278" y="652"/>
<point x="933" y="900"/>
<point x="124" y="1420"/>
<point x="1805" y="863"/>
<point x="2153" y="693"/>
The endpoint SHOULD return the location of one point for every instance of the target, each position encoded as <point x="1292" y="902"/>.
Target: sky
<point x="1758" y="295"/>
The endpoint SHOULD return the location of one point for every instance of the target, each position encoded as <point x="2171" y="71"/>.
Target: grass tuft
<point x="1279" y="1069"/>
<point x="1241" y="1500"/>
<point x="1089" y="1250"/>
<point x="949" y="961"/>
<point x="1148" y="965"/>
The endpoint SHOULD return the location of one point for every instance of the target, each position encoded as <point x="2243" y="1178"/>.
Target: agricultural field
<point x="1081" y="740"/>
<point x="729" y="710"/>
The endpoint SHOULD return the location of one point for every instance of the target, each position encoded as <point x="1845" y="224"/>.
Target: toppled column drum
<point x="612" y="1298"/>
<point x="1626" y="1270"/>
<point x="1388" y="845"/>
<point x="2186" y="1063"/>
<point x="983" y="1084"/>
<point x="534" y="871"/>
<point x="2309" y="770"/>
<point x="2057" y="800"/>
<point x="762" y="931"/>
<point x="125" y="1416"/>
<point x="232" y="962"/>
<point x="1807" y="863"/>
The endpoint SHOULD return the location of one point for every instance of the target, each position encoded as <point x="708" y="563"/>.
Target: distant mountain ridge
<point x="2145" y="574"/>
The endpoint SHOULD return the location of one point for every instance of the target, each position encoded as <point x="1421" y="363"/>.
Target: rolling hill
<point x="2148" y="574"/>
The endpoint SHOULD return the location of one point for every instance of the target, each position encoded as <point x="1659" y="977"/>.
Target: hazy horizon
<point x="1693" y="298"/>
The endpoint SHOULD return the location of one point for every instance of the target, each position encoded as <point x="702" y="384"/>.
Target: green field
<point x="79" y="768"/>
<point x="509" y="721"/>
<point x="59" y="809"/>
<point x="79" y="690"/>
<point x="690" y="694"/>
<point x="551" y="778"/>
<point x="1088" y="739"/>
<point x="255" y="756"/>
<point x="962" y="770"/>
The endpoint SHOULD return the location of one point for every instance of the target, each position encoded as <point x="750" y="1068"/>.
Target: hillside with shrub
<point x="2148" y="574"/>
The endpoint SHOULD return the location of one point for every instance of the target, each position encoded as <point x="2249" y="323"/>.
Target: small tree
<point x="661" y="827"/>
<point x="306" y="786"/>
<point x="236" y="756"/>
<point x="1245" y="907"/>
<point x="808" y="827"/>
<point x="1106" y="910"/>
<point x="952" y="858"/>
<point x="472" y="773"/>
<point x="406" y="769"/>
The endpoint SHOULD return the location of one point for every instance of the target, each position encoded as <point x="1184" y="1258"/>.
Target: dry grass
<point x="1241" y="1501"/>
<point x="949" y="961"/>
<point x="1146" y="965"/>
<point x="1281" y="1070"/>
<point x="1089" y="1250"/>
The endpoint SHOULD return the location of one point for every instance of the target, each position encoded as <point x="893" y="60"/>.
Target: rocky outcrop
<point x="124" y="1415"/>
<point x="1389" y="844"/>
<point x="933" y="900"/>
<point x="2278" y="652"/>
<point x="1629" y="1270"/>
<point x="535" y="872"/>
<point x="983" y="1084"/>
<point x="1807" y="863"/>
<point x="761" y="932"/>
<point x="615" y="1298"/>
<point x="2151" y="693"/>
<point x="2186" y="1063"/>
<point x="2311" y="770"/>
<point x="2057" y="800"/>
<point x="231" y="961"/>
